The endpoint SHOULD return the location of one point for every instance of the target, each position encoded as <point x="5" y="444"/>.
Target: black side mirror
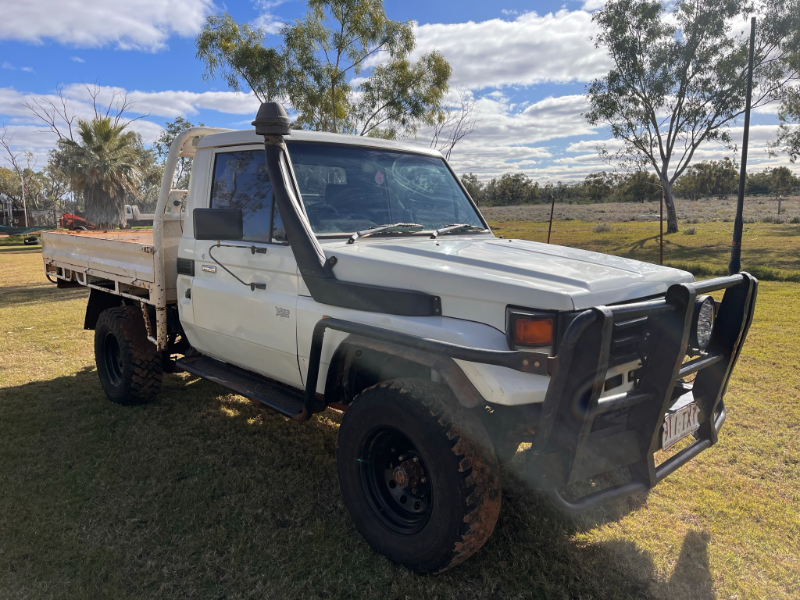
<point x="218" y="224"/>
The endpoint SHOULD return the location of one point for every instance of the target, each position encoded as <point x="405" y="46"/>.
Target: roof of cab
<point x="237" y="138"/>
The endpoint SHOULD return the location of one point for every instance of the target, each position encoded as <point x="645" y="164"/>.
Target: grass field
<point x="756" y="209"/>
<point x="769" y="251"/>
<point x="204" y="495"/>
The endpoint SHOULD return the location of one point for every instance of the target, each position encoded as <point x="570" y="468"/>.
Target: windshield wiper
<point x="455" y="227"/>
<point x="379" y="228"/>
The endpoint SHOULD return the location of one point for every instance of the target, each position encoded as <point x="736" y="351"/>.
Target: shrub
<point x="602" y="228"/>
<point x="690" y="231"/>
<point x="794" y="220"/>
<point x="772" y="219"/>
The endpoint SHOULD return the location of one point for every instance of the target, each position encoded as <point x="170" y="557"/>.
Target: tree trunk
<point x="105" y="211"/>
<point x="669" y="202"/>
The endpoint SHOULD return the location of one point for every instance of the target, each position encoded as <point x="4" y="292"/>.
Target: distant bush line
<point x="705" y="179"/>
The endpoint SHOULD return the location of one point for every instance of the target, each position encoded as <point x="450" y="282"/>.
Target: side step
<point x="281" y="399"/>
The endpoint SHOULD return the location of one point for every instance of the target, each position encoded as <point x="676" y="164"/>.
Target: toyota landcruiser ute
<point x="308" y="271"/>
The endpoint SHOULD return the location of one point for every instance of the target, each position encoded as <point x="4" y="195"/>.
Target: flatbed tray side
<point x="103" y="254"/>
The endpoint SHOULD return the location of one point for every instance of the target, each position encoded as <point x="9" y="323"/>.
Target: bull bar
<point x="568" y="446"/>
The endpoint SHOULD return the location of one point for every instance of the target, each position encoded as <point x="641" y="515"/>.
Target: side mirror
<point x="218" y="224"/>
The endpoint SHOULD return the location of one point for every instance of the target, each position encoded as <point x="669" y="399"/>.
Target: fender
<point x="98" y="302"/>
<point x="341" y="370"/>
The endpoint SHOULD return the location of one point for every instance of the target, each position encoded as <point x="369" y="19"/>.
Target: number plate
<point x="678" y="425"/>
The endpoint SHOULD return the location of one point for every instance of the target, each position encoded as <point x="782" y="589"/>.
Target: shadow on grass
<point x="203" y="494"/>
<point x="785" y="231"/>
<point x="18" y="249"/>
<point x="22" y="295"/>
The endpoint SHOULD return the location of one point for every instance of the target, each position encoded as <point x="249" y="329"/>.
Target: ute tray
<point x="279" y="398"/>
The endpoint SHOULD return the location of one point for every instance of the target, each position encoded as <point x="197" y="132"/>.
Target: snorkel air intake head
<point x="272" y="120"/>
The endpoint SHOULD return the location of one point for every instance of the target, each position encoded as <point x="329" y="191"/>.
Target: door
<point x="237" y="322"/>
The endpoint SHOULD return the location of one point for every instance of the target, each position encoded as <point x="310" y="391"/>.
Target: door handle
<point x="208" y="269"/>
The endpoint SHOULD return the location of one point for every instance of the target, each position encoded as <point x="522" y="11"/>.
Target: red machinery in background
<point x="76" y="223"/>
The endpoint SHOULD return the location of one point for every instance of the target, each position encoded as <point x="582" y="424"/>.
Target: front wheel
<point x="418" y="474"/>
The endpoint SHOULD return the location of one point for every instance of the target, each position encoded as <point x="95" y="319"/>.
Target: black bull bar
<point x="566" y="446"/>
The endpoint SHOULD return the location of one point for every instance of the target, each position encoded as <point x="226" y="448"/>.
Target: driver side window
<point x="241" y="181"/>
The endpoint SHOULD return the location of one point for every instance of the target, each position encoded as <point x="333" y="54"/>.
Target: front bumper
<point x="581" y="434"/>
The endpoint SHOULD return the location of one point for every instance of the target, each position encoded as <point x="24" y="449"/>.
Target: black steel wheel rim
<point x="396" y="481"/>
<point x="112" y="355"/>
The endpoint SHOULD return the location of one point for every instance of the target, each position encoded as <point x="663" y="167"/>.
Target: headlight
<point x="528" y="330"/>
<point x="702" y="322"/>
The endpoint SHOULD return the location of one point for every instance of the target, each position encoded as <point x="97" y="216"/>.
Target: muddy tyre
<point x="418" y="474"/>
<point x="127" y="362"/>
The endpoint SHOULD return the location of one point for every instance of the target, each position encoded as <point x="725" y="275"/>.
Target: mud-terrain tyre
<point x="418" y="474"/>
<point x="127" y="362"/>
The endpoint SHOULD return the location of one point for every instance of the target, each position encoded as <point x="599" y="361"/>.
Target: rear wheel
<point x="127" y="362"/>
<point x="418" y="474"/>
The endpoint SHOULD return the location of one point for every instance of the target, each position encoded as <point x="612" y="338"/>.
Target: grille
<point x="629" y="341"/>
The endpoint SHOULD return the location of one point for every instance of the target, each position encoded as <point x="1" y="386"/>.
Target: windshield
<point x="347" y="189"/>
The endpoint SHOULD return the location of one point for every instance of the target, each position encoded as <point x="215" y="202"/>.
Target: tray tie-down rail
<point x="566" y="448"/>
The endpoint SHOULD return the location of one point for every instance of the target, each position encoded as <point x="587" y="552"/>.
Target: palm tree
<point x="104" y="166"/>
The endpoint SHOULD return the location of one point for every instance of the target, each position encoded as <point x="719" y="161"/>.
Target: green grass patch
<point x="204" y="495"/>
<point x="770" y="251"/>
<point x="11" y="240"/>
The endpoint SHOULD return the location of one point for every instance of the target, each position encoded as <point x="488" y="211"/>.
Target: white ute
<point x="309" y="271"/>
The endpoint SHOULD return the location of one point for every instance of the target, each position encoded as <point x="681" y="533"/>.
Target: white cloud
<point x="132" y="24"/>
<point x="508" y="137"/>
<point x="526" y="139"/>
<point x="587" y="159"/>
<point x="509" y="13"/>
<point x="266" y="21"/>
<point x="528" y="50"/>
<point x="8" y="65"/>
<point x="31" y="135"/>
<point x="171" y="103"/>
<point x="28" y="69"/>
<point x="591" y="145"/>
<point x="77" y="59"/>
<point x="591" y="5"/>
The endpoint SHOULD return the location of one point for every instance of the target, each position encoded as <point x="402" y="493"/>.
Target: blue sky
<point x="526" y="64"/>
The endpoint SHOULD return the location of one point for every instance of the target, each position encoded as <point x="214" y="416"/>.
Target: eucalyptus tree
<point x="319" y="68"/>
<point x="235" y="52"/>
<point x="104" y="165"/>
<point x="161" y="148"/>
<point x="679" y="73"/>
<point x="789" y="132"/>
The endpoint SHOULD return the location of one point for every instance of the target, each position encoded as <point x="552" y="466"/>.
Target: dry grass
<point x="203" y="495"/>
<point x="769" y="251"/>
<point x="756" y="209"/>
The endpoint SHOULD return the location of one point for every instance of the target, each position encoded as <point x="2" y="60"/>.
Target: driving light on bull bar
<point x="530" y="330"/>
<point x="702" y="322"/>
